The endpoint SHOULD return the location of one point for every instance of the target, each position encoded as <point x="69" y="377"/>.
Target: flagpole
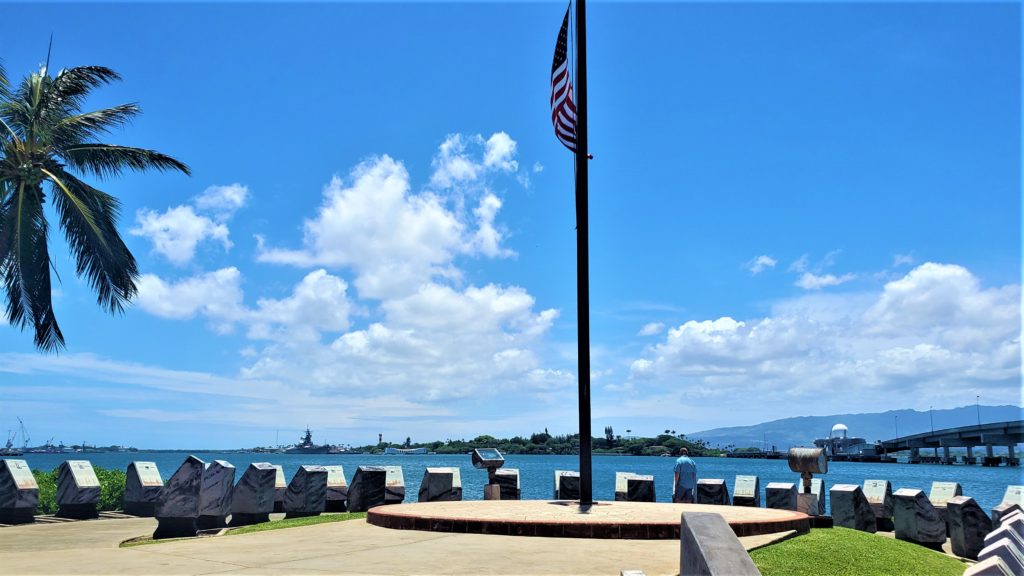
<point x="583" y="256"/>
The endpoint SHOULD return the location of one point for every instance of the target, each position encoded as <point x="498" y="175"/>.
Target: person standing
<point x="685" y="478"/>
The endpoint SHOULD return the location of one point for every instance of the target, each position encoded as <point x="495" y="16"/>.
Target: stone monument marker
<point x="747" y="491"/>
<point x="567" y="485"/>
<point x="968" y="525"/>
<point x="177" y="507"/>
<point x="19" y="492"/>
<point x="394" y="486"/>
<point x="916" y="520"/>
<point x="441" y="485"/>
<point x="367" y="488"/>
<point x="78" y="490"/>
<point x="630" y="487"/>
<point x="215" y="494"/>
<point x="941" y="493"/>
<point x="280" y="487"/>
<point x="142" y="486"/>
<point x="307" y="492"/>
<point x="780" y="495"/>
<point x="850" y="508"/>
<point x="252" y="499"/>
<point x="1014" y="495"/>
<point x="712" y="491"/>
<point x="508" y="479"/>
<point x="879" y="495"/>
<point x="337" y="489"/>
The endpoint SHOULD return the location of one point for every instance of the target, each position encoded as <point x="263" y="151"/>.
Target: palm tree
<point x="45" y="138"/>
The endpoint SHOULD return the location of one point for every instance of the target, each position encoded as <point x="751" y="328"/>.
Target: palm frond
<point x="64" y="94"/>
<point x="79" y="128"/>
<point x="105" y="160"/>
<point x="25" y="266"/>
<point x="88" y="218"/>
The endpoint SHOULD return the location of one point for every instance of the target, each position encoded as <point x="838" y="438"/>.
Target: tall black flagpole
<point x="583" y="255"/>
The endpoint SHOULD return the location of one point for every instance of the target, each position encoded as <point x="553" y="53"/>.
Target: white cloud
<point x="499" y="152"/>
<point x="223" y="201"/>
<point x="462" y="160"/>
<point x="392" y="239"/>
<point x="538" y="167"/>
<point x="800" y="264"/>
<point x="811" y="281"/>
<point x="932" y="333"/>
<point x="176" y="232"/>
<point x="760" y="264"/>
<point x="902" y="260"/>
<point x="651" y="328"/>
<point x="216" y="295"/>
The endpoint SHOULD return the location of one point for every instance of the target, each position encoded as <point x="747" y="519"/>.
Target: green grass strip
<point x="845" y="552"/>
<point x="296" y="522"/>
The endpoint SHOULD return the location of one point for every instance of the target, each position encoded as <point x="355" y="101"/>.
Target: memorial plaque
<point x="1014" y="495"/>
<point x="942" y="492"/>
<point x="394" y="487"/>
<point x="630" y="487"/>
<point x="367" y="488"/>
<point x="567" y="485"/>
<point x="78" y="490"/>
<point x="747" y="491"/>
<point x="1003" y="510"/>
<point x="1006" y="551"/>
<point x="780" y="495"/>
<point x="307" y="492"/>
<point x="177" y="507"/>
<point x="441" y="485"/>
<point x="989" y="567"/>
<point x="968" y="525"/>
<point x="280" y="487"/>
<point x="215" y="494"/>
<point x="879" y="495"/>
<point x="1004" y="532"/>
<point x="487" y="458"/>
<point x="142" y="486"/>
<point x="337" y="489"/>
<point x="916" y="520"/>
<point x="19" y="493"/>
<point x="850" y="509"/>
<point x="508" y="480"/>
<point x="712" y="491"/>
<point x="252" y="499"/>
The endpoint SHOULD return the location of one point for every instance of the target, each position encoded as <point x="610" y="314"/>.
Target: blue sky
<point x="796" y="209"/>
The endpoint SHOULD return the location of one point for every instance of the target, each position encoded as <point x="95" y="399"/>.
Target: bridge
<point x="1007" y="434"/>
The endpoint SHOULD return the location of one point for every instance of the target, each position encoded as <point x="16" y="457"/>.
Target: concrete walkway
<point x="352" y="547"/>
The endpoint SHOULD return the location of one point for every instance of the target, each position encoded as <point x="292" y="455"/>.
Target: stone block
<point x="708" y="547"/>
<point x="252" y="499"/>
<point x="879" y="495"/>
<point x="78" y="490"/>
<point x="367" y="488"/>
<point x="567" y="485"/>
<point x="807" y="503"/>
<point x="941" y="493"/>
<point x="280" y="487"/>
<point x="19" y="493"/>
<point x="1007" y="551"/>
<point x="818" y="489"/>
<point x="337" y="489"/>
<point x="712" y="491"/>
<point x="747" y="491"/>
<point x="780" y="495"/>
<point x="993" y="566"/>
<point x="630" y="487"/>
<point x="215" y="494"/>
<point x="1004" y="509"/>
<point x="916" y="520"/>
<point x="441" y="485"/>
<point x="968" y="525"/>
<point x="1004" y="532"/>
<point x="394" y="486"/>
<point x="177" y="507"/>
<point x="850" y="508"/>
<point x="307" y="492"/>
<point x="508" y="480"/>
<point x="142" y="486"/>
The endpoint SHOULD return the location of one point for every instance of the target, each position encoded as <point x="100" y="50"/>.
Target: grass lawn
<point x="272" y="525"/>
<point x="845" y="552"/>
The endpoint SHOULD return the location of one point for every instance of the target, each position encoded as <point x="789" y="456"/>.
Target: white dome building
<point x="839" y="431"/>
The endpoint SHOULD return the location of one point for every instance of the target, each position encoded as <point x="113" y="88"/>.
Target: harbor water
<point x="985" y="485"/>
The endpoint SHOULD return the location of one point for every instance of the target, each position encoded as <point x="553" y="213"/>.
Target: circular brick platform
<point x="636" y="520"/>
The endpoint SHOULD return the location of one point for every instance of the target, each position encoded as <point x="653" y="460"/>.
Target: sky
<point x="795" y="209"/>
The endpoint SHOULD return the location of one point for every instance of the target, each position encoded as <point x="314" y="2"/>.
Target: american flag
<point x="563" y="109"/>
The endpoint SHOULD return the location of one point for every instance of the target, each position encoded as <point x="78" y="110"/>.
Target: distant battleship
<point x="306" y="446"/>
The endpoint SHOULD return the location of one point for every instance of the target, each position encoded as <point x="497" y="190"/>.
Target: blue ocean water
<point x="536" y="473"/>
